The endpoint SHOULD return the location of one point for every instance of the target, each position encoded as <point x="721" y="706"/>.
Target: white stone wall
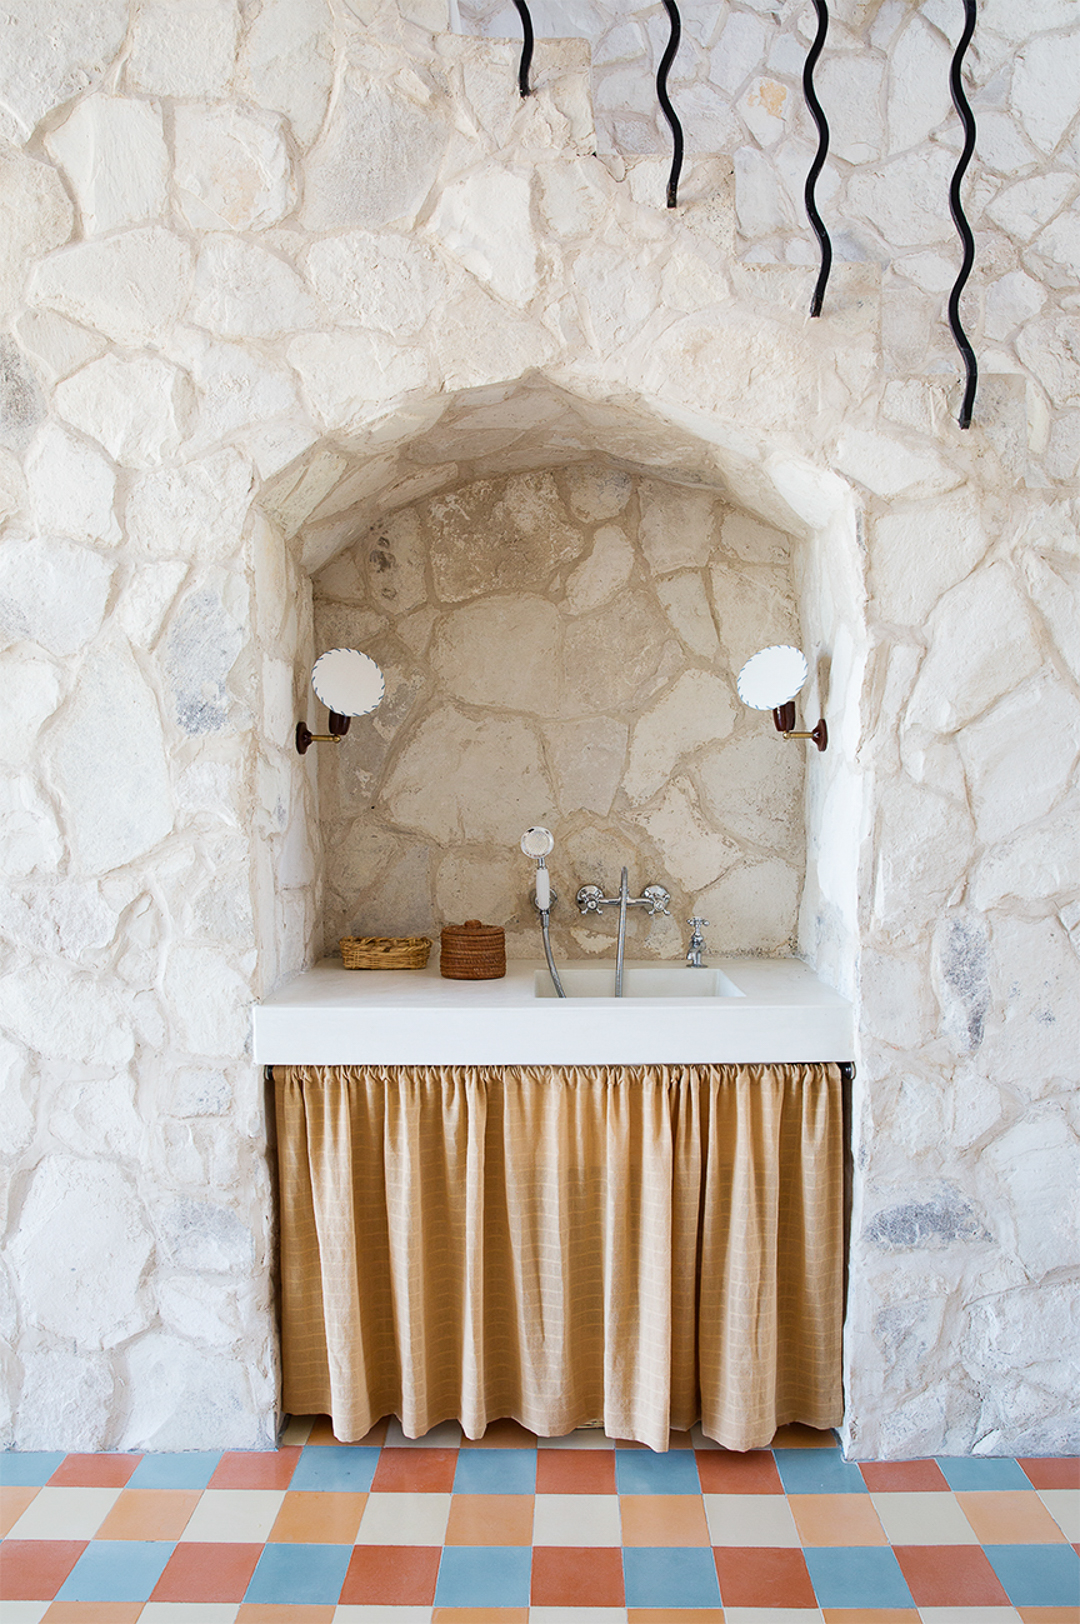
<point x="560" y="648"/>
<point x="270" y="274"/>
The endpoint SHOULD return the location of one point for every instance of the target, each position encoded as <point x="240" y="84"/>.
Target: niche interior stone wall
<point x="272" y="272"/>
<point x="560" y="647"/>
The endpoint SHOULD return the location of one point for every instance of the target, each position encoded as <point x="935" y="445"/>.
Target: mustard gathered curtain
<point x="646" y="1246"/>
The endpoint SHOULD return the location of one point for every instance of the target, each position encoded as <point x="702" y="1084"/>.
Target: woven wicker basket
<point x="385" y="952"/>
<point x="473" y="952"/>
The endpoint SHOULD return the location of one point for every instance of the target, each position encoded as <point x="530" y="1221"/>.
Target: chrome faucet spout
<point x="620" y="950"/>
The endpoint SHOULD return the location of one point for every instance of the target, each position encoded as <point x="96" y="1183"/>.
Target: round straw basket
<point x="473" y="952"/>
<point x="385" y="952"/>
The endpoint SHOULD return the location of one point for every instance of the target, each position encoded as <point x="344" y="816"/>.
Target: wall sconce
<point x="770" y="680"/>
<point x="349" y="684"/>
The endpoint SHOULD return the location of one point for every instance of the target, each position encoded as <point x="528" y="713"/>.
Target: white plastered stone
<point x="113" y="151"/>
<point x="71" y="488"/>
<point x="128" y="287"/>
<point x="134" y="408"/>
<point x="35" y="217"/>
<point x="52" y="593"/>
<point x="232" y="169"/>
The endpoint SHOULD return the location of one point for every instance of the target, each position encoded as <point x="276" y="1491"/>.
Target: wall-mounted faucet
<point x="591" y="898"/>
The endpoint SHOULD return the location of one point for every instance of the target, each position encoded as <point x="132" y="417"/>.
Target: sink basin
<point x="639" y="981"/>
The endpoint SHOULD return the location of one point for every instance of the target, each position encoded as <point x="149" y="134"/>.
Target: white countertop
<point x="330" y="1016"/>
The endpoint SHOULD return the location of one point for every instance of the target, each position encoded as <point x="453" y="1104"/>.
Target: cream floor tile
<point x="577" y="1615"/>
<point x="1064" y="1506"/>
<point x="24" y="1612"/>
<point x="189" y="1612"/>
<point x="379" y="1615"/>
<point x="576" y="1519"/>
<point x="64" y="1514"/>
<point x="445" y="1436"/>
<point x="234" y="1516"/>
<point x="404" y="1519"/>
<point x="584" y="1438"/>
<point x="966" y="1615"/>
<point x="750" y="1519"/>
<point x="772" y="1615"/>
<point x="923" y="1519"/>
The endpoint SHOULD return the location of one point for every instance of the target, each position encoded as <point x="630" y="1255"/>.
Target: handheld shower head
<point x="537" y="842"/>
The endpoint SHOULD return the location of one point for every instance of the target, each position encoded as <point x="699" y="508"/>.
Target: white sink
<point x="639" y="981"/>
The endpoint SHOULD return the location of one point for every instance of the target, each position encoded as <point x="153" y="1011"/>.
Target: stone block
<point x="35" y="217"/>
<point x="501" y="652"/>
<point x="232" y="168"/>
<point x="982" y="644"/>
<point x="243" y="291"/>
<point x="201" y="648"/>
<point x="473" y="779"/>
<point x="694" y="853"/>
<point x="52" y="593"/>
<point x="1032" y="1171"/>
<point x="686" y="604"/>
<point x="188" y="51"/>
<point x="1041" y="862"/>
<point x="29" y="834"/>
<point x="754" y="906"/>
<point x="1050" y="346"/>
<point x="375" y="162"/>
<point x="184" y="1397"/>
<point x="484" y="538"/>
<point x="384" y="281"/>
<point x="478" y="885"/>
<point x="918" y="553"/>
<point x="66" y="1402"/>
<point x="134" y="408"/>
<point x="697" y="710"/>
<point x="239" y="389"/>
<point x="888" y="466"/>
<point x="1017" y="757"/>
<point x="194" y="511"/>
<point x="114" y="815"/>
<point x="603" y="573"/>
<point x="1043" y="89"/>
<point x="31" y="688"/>
<point x="112" y="149"/>
<point x="350" y="375"/>
<point x="58" y="346"/>
<point x="753" y="788"/>
<point x="485" y="222"/>
<point x="129" y="287"/>
<point x="98" y="1118"/>
<point x="21" y="405"/>
<point x="80" y="1251"/>
<point x="209" y="998"/>
<point x="287" y="62"/>
<point x="924" y="847"/>
<point x="71" y="488"/>
<point x="588" y="758"/>
<point x="54" y="51"/>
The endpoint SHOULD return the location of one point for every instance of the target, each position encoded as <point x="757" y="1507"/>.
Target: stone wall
<point x="561" y="648"/>
<point x="271" y="274"/>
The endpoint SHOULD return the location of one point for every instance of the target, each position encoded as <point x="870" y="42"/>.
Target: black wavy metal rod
<point x="818" y="164"/>
<point x="526" y="47"/>
<point x="956" y="208"/>
<point x="665" y="102"/>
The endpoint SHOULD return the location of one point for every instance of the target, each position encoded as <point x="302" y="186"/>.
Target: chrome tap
<point x="697" y="942"/>
<point x="590" y="899"/>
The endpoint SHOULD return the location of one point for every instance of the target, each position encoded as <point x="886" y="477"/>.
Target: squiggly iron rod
<point x="956" y="208"/>
<point x="665" y="102"/>
<point x="819" y="158"/>
<point x="526" y="47"/>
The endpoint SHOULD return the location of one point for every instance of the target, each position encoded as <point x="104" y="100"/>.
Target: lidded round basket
<point x="473" y="952"/>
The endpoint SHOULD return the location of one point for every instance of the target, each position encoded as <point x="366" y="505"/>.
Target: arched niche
<point x="385" y="479"/>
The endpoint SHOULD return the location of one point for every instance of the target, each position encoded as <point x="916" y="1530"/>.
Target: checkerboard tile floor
<point x="518" y="1530"/>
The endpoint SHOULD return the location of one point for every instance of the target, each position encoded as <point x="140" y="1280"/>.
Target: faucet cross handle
<point x="657" y="898"/>
<point x="695" y="922"/>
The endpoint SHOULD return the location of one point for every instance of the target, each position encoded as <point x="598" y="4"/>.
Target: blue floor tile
<point x="343" y="1468"/>
<point x="29" y="1470"/>
<point x="818" y="1471"/>
<point x="969" y="1472"/>
<point x="857" y="1576"/>
<point x="192" y="1471"/>
<point x="300" y="1575"/>
<point x="1037" y="1575"/>
<point x="484" y="1575"/>
<point x="495" y="1471"/>
<point x="117" y="1570"/>
<point x="670" y="1576"/>
<point x="639" y="1471"/>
